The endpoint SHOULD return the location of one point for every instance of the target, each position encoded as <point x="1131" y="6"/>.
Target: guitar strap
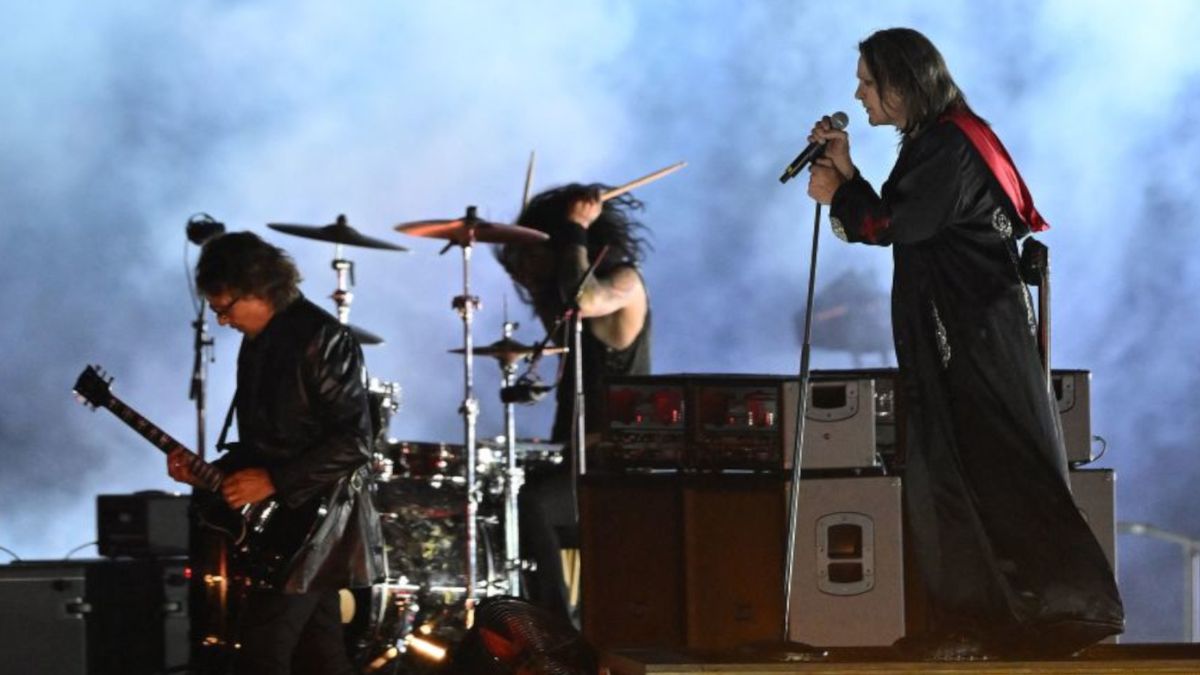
<point x="222" y="446"/>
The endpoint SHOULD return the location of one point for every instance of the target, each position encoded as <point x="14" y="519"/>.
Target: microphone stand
<point x="798" y="451"/>
<point x="570" y="313"/>
<point x="202" y="346"/>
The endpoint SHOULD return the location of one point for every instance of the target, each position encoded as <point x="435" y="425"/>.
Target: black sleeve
<point x="334" y="373"/>
<point x="918" y="201"/>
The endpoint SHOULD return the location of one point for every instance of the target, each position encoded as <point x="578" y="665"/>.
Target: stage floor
<point x="1098" y="660"/>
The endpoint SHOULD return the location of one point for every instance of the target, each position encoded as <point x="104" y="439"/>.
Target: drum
<point x="532" y="454"/>
<point x="428" y="460"/>
<point x="424" y="533"/>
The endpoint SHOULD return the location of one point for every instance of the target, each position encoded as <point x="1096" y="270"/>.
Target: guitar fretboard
<point x="210" y="477"/>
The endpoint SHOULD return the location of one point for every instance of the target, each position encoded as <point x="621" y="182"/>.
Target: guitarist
<point x="304" y="428"/>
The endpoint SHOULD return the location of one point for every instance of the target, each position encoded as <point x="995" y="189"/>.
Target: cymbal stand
<point x="514" y="477"/>
<point x="343" y="296"/>
<point x="466" y="305"/>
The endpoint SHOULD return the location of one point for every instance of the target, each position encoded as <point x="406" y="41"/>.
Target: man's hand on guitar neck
<point x="248" y="486"/>
<point x="179" y="467"/>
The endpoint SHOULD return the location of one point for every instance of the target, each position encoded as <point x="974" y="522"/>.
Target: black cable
<point x="14" y="555"/>
<point x="81" y="546"/>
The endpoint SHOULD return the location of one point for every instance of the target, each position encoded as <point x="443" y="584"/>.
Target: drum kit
<point x="448" y="510"/>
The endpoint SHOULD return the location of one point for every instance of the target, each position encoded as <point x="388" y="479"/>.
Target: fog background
<point x="123" y="119"/>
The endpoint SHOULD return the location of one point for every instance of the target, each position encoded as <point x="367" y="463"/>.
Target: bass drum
<point x="424" y="534"/>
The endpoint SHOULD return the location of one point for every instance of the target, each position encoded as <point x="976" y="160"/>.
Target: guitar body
<point x="263" y="538"/>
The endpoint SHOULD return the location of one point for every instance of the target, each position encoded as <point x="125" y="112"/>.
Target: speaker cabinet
<point x="733" y="542"/>
<point x="43" y="611"/>
<point x="679" y="561"/>
<point x="96" y="617"/>
<point x="633" y="588"/>
<point x="848" y="575"/>
<point x="1095" y="495"/>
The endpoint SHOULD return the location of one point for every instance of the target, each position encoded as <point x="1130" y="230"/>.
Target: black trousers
<point x="286" y="634"/>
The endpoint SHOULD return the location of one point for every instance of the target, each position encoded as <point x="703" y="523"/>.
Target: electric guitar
<point x="263" y="537"/>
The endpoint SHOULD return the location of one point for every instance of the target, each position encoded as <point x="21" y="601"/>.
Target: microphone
<point x="202" y="227"/>
<point x="814" y="150"/>
<point x="526" y="390"/>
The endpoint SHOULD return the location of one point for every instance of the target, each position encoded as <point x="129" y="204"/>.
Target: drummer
<point x="615" y="308"/>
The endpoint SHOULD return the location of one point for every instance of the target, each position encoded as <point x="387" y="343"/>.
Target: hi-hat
<point x="470" y="229"/>
<point x="364" y="336"/>
<point x="509" y="350"/>
<point x="338" y="233"/>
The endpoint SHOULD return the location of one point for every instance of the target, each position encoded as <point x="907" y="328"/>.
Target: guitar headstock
<point x="94" y="387"/>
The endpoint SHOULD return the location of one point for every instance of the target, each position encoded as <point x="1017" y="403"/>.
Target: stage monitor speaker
<point x="848" y="575"/>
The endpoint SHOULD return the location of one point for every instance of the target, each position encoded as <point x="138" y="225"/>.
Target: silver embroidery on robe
<point x="1001" y="223"/>
<point x="838" y="230"/>
<point x="1029" y="311"/>
<point x="942" y="339"/>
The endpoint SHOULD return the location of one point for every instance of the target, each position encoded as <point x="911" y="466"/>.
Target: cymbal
<point x="508" y="350"/>
<point x="364" y="336"/>
<point x="470" y="229"/>
<point x="338" y="233"/>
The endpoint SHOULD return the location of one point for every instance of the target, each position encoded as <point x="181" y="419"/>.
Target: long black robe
<point x="1000" y="545"/>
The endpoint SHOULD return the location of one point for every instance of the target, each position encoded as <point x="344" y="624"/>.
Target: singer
<point x="1010" y="565"/>
<point x="616" y="341"/>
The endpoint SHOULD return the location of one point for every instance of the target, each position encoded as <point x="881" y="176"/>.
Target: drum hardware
<point x="464" y="232"/>
<point x="341" y="234"/>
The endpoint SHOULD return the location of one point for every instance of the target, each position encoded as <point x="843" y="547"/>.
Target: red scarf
<point x="1001" y="165"/>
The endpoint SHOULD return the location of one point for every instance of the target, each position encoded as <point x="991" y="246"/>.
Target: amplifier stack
<point x="684" y="509"/>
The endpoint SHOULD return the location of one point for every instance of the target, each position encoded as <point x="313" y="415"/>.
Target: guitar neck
<point x="209" y="476"/>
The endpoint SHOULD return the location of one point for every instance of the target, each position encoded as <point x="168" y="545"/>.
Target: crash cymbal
<point x="365" y="337"/>
<point x="508" y="350"/>
<point x="338" y="233"/>
<point x="470" y="229"/>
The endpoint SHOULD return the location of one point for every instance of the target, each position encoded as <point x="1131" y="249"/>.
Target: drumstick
<point x="528" y="180"/>
<point x="648" y="178"/>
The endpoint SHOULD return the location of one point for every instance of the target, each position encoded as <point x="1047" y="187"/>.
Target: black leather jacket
<point x="302" y="409"/>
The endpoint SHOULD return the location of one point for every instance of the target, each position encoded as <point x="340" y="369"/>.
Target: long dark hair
<point x="243" y="264"/>
<point x="905" y="63"/>
<point x="616" y="227"/>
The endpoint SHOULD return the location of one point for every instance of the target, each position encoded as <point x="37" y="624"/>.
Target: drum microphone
<point x="202" y="227"/>
<point x="526" y="390"/>
<point x="839" y="120"/>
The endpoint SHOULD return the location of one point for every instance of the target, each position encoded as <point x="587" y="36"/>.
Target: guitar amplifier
<point x="142" y="524"/>
<point x="644" y="424"/>
<point x="722" y="422"/>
